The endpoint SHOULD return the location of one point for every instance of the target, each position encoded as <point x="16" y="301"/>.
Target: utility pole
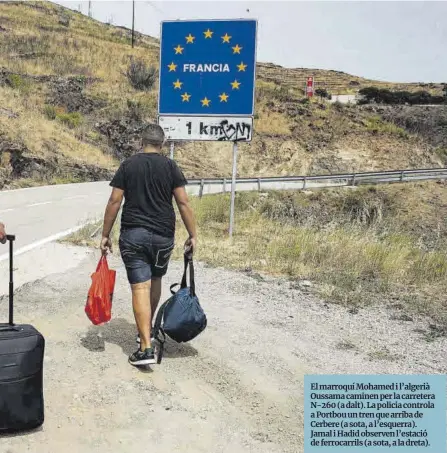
<point x="90" y="8"/>
<point x="133" y="23"/>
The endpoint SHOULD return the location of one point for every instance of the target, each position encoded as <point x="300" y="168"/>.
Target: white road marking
<point x="39" y="204"/>
<point x="43" y="241"/>
<point x="6" y="210"/>
<point x="77" y="196"/>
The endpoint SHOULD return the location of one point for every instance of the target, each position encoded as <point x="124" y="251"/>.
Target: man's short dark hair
<point x="153" y="135"/>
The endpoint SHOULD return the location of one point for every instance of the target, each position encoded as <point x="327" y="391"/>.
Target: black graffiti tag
<point x="234" y="132"/>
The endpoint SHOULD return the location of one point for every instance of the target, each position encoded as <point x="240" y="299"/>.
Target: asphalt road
<point x="43" y="214"/>
<point x="40" y="215"/>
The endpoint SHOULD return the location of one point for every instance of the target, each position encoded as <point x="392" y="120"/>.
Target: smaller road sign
<point x="310" y="86"/>
<point x="207" y="128"/>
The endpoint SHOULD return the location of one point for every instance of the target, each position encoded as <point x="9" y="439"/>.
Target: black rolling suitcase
<point x="21" y="370"/>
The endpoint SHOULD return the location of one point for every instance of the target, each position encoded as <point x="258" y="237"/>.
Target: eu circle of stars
<point x="207" y="67"/>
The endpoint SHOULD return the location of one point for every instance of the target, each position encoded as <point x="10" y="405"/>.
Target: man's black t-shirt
<point x="148" y="180"/>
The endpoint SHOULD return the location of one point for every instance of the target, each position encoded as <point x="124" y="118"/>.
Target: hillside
<point x="69" y="113"/>
<point x="335" y="82"/>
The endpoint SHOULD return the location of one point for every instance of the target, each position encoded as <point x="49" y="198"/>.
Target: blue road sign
<point x="207" y="67"/>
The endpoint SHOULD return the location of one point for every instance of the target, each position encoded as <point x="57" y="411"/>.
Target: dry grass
<point x="42" y="136"/>
<point x="86" y="47"/>
<point x="290" y="136"/>
<point x="89" y="234"/>
<point x="334" y="82"/>
<point x="272" y="123"/>
<point x="376" y="124"/>
<point x="352" y="262"/>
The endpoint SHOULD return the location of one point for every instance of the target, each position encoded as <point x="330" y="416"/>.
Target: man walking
<point x="147" y="181"/>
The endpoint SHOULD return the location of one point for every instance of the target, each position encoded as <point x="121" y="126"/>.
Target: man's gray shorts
<point x="145" y="255"/>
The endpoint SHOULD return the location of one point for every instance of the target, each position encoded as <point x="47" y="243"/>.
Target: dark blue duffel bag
<point x="181" y="317"/>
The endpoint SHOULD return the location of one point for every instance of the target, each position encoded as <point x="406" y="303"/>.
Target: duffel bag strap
<point x="173" y="286"/>
<point x="158" y="320"/>
<point x="192" y="284"/>
<point x="185" y="269"/>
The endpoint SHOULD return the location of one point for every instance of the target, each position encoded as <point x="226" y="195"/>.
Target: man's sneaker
<point x="140" y="358"/>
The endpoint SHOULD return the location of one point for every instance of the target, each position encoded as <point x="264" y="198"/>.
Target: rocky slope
<point x="68" y="111"/>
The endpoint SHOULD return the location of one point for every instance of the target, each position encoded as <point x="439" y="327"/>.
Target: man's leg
<point x="142" y="311"/>
<point x="161" y="253"/>
<point x="155" y="295"/>
<point x="139" y="275"/>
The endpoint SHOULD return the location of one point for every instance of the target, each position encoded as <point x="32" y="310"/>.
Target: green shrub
<point x="385" y="96"/>
<point x="72" y="120"/>
<point x="50" y="112"/>
<point x="64" y="20"/>
<point x="338" y="106"/>
<point x="141" y="76"/>
<point x="323" y="93"/>
<point x="377" y="125"/>
<point x="15" y="81"/>
<point x="212" y="209"/>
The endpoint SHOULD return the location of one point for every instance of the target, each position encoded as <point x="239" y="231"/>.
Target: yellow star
<point x="185" y="97"/>
<point x="235" y="85"/>
<point x="205" y="102"/>
<point x="226" y="38"/>
<point x="208" y="33"/>
<point x="237" y="49"/>
<point x="190" y="39"/>
<point x="178" y="84"/>
<point x="223" y="97"/>
<point x="172" y="67"/>
<point x="241" y="66"/>
<point x="178" y="49"/>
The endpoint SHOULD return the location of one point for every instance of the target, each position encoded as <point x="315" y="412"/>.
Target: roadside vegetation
<point x="357" y="247"/>
<point x="75" y="95"/>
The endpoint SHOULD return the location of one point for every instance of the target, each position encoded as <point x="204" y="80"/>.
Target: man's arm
<point x="2" y="233"/>
<point x="112" y="209"/>
<point x="181" y="198"/>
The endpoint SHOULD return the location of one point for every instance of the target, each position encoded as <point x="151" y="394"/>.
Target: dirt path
<point x="236" y="388"/>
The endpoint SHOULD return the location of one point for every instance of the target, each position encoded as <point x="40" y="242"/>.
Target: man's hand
<point x="190" y="245"/>
<point x="106" y="245"/>
<point x="2" y="233"/>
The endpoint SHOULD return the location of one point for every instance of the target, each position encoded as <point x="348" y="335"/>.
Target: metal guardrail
<point x="303" y="182"/>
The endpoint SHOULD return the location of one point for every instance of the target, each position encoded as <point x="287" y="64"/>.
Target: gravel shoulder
<point x="236" y="388"/>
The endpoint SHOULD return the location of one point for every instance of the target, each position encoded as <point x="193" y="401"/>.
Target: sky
<point x="395" y="41"/>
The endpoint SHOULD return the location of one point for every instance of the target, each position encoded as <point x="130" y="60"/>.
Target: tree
<point x="384" y="96"/>
<point x="322" y="93"/>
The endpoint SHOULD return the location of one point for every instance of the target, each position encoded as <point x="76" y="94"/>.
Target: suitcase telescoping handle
<point x="10" y="326"/>
<point x="11" y="238"/>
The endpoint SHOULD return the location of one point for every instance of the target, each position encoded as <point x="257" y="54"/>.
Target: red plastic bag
<point x="99" y="301"/>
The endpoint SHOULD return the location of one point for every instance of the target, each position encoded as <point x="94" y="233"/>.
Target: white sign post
<point x="207" y="83"/>
<point x="233" y="189"/>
